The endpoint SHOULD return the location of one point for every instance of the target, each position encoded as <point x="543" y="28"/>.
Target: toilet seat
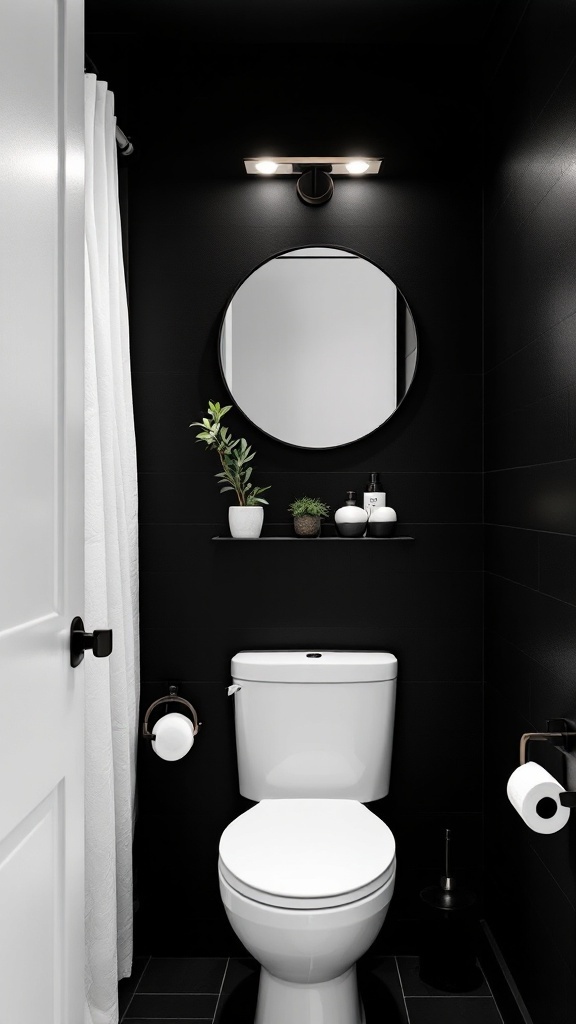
<point x="307" y="854"/>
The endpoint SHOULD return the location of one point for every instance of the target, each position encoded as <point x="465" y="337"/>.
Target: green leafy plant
<point x="234" y="456"/>
<point x="308" y="507"/>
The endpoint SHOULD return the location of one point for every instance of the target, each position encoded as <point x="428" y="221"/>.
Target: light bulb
<point x="266" y="167"/>
<point x="357" y="166"/>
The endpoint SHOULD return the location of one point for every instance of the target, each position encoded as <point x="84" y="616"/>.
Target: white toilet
<point x="307" y="874"/>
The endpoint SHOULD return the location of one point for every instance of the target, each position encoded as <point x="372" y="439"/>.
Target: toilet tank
<point x="314" y="723"/>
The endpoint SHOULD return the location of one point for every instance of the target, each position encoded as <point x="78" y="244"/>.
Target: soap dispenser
<point x="350" y="519"/>
<point x="381" y="518"/>
<point x="374" y="496"/>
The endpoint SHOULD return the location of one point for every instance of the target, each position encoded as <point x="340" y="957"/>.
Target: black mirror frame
<point x="279" y="440"/>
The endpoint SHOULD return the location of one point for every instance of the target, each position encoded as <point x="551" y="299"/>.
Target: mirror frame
<point x="276" y="255"/>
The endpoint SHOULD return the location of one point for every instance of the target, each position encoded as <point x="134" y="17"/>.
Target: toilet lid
<point x="307" y="853"/>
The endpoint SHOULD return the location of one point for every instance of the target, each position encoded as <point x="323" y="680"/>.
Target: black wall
<point x="194" y="232"/>
<point x="193" y="236"/>
<point x="530" y="443"/>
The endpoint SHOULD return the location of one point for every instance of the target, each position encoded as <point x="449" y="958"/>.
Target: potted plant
<point x="246" y="517"/>
<point x="308" y="514"/>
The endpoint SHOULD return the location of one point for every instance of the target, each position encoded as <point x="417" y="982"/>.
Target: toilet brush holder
<point x="448" y="958"/>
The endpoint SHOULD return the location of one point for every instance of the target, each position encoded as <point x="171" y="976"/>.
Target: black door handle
<point x="99" y="642"/>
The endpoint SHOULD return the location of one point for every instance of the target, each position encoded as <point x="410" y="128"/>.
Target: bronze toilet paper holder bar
<point x="557" y="733"/>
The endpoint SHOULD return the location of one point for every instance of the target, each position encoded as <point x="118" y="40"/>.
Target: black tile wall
<point x="530" y="486"/>
<point x="193" y="237"/>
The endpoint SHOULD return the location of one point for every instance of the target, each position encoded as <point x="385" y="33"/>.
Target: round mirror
<point x="318" y="347"/>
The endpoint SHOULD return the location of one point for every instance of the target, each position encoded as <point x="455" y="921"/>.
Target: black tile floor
<point x="223" y="991"/>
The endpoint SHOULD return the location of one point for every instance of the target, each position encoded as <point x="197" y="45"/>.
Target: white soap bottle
<point x="374" y="496"/>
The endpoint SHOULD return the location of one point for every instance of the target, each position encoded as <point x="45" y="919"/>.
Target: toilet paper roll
<point x="533" y="792"/>
<point x="173" y="736"/>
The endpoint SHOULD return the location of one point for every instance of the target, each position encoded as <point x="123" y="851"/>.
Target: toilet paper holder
<point x="171" y="696"/>
<point x="557" y="733"/>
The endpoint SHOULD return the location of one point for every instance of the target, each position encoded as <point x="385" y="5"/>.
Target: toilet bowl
<point x="306" y="875"/>
<point x="306" y="886"/>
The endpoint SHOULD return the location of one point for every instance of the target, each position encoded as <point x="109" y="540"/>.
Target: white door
<point x="41" y="511"/>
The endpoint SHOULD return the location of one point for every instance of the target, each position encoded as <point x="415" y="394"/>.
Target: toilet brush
<point x="447" y="895"/>
<point x="447" y="959"/>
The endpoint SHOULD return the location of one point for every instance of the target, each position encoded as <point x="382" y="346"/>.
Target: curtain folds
<point x="111" y="574"/>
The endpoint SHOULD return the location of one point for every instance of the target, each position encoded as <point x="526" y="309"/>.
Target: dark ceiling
<point x="401" y="22"/>
<point x="396" y="78"/>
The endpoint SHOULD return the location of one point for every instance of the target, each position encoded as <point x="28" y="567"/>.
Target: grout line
<point x="483" y="486"/>
<point x="513" y="526"/>
<point x="129" y="1003"/>
<point x="192" y="373"/>
<point x="488" y="986"/>
<point x="522" y="179"/>
<point x="453" y="995"/>
<point x="483" y="756"/>
<point x="512" y="411"/>
<point x="325" y="472"/>
<point x="536" y="340"/>
<point x="178" y="993"/>
<point x="525" y="586"/>
<point x="396" y="572"/>
<point x="404" y="525"/>
<point x="530" y="465"/>
<point x="402" y="989"/>
<point x="490" y="76"/>
<point x="142" y="972"/>
<point x="548" y="871"/>
<point x="220" y="992"/>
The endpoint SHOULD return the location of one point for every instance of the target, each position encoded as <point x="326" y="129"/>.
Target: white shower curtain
<point x="111" y="575"/>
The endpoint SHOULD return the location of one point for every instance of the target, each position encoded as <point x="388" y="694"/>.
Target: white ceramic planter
<point x="246" y="521"/>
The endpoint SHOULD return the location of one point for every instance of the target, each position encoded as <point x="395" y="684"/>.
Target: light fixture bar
<point x="294" y="164"/>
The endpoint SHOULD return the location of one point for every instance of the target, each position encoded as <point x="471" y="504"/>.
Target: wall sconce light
<point x="315" y="173"/>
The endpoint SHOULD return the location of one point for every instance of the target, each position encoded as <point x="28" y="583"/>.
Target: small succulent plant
<point x="308" y="507"/>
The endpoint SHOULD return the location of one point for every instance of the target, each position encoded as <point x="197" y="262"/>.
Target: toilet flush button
<point x="316" y="655"/>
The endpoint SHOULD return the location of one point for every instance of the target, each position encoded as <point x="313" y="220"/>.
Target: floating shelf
<point x="376" y="540"/>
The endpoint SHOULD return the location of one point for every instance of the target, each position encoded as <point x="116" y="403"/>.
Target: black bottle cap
<point x="373" y="483"/>
<point x="350" y="497"/>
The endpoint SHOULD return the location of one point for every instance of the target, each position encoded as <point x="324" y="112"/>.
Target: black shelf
<point x="376" y="540"/>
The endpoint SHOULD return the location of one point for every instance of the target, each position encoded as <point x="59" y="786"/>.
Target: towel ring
<point x="165" y="700"/>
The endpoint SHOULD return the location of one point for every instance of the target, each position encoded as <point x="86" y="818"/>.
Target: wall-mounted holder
<point x="558" y="733"/>
<point x="171" y="696"/>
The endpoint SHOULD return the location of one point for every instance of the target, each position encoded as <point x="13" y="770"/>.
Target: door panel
<point x="29" y="300"/>
<point x="41" y="511"/>
<point x="31" y="859"/>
